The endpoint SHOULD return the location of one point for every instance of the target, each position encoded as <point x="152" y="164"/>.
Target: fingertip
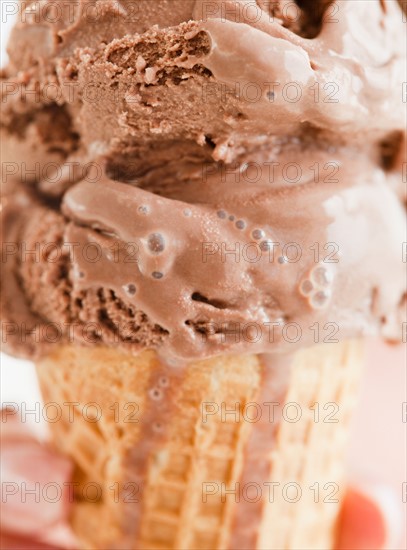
<point x="370" y="519"/>
<point x="29" y="470"/>
<point x="9" y="541"/>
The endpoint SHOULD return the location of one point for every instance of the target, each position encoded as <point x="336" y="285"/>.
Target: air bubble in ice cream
<point x="306" y="287"/>
<point x="240" y="224"/>
<point x="222" y="214"/>
<point x="130" y="289"/>
<point x="321" y="276"/>
<point x="156" y="243"/>
<point x="143" y="210"/>
<point x="155" y="394"/>
<point x="164" y="382"/>
<point x="157" y="275"/>
<point x="320" y="299"/>
<point x="266" y="246"/>
<point x="258" y="234"/>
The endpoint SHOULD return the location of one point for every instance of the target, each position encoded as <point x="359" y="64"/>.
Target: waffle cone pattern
<point x="236" y="452"/>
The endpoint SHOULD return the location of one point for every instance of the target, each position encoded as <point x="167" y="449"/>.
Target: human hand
<point x="364" y="522"/>
<point x="32" y="525"/>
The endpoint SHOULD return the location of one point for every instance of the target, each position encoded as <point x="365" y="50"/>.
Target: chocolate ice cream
<point x="196" y="177"/>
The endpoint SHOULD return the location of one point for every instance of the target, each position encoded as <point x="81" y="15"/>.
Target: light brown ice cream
<point x="187" y="158"/>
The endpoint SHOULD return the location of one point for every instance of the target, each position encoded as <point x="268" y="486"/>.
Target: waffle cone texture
<point x="227" y="453"/>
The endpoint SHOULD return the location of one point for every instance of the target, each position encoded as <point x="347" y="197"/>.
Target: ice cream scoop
<point x="211" y="180"/>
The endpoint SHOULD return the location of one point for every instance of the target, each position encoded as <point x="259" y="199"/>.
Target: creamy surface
<point x="227" y="179"/>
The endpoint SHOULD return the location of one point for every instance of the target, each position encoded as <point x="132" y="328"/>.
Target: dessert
<point x="208" y="194"/>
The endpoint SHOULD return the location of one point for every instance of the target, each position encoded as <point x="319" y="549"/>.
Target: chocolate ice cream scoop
<point x="230" y="174"/>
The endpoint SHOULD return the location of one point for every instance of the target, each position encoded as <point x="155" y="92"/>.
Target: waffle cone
<point x="225" y="453"/>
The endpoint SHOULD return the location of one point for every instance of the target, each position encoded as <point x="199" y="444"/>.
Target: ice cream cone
<point x="230" y="452"/>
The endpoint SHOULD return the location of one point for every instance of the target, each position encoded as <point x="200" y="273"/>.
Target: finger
<point x="369" y="520"/>
<point x="11" y="425"/>
<point x="9" y="541"/>
<point x="59" y="538"/>
<point x="35" y="482"/>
